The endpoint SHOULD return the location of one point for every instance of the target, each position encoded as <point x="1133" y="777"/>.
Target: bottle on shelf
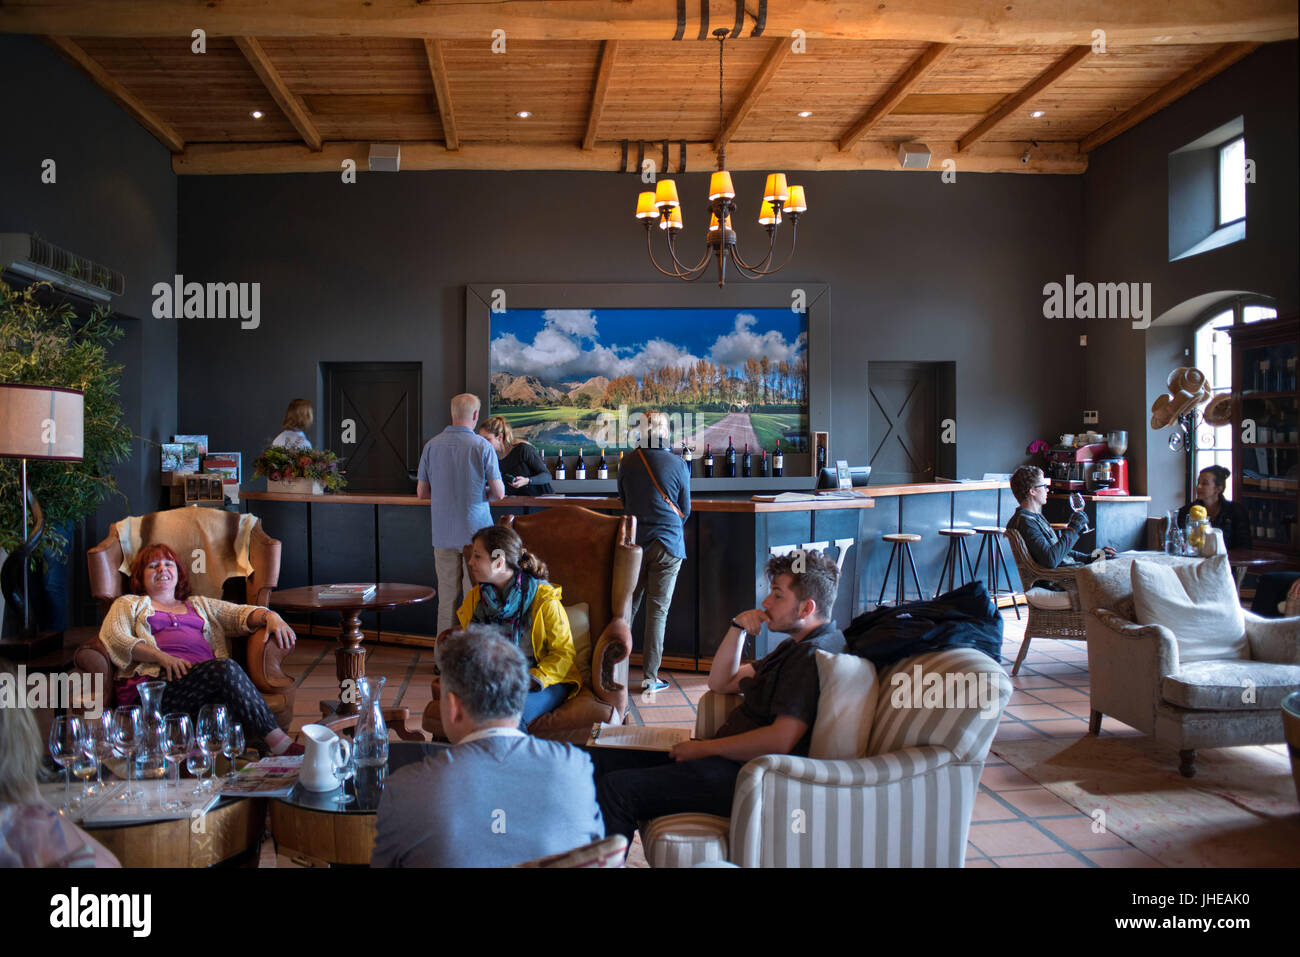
<point x="745" y="462"/>
<point x="731" y="459"/>
<point x="778" y="461"/>
<point x="580" y="469"/>
<point x="708" y="461"/>
<point x="560" y="472"/>
<point x="821" y="458"/>
<point x="686" y="456"/>
<point x="762" y="464"/>
<point x="602" y="467"/>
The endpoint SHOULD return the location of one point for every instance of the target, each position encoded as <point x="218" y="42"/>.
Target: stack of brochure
<point x="348" y="591"/>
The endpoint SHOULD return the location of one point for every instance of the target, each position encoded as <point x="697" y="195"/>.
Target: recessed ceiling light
<point x="1037" y="113"/>
<point x="804" y="114"/>
<point x="523" y="114"/>
<point x="256" y="114"/>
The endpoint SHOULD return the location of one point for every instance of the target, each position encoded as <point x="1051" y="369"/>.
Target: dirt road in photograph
<point x="736" y="425"/>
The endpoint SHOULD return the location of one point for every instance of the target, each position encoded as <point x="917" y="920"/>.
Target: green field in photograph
<point x="773" y="426"/>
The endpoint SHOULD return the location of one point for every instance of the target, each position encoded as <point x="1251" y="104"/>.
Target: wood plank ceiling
<point x="452" y="102"/>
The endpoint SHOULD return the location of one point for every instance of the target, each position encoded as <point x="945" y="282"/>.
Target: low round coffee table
<point x="1252" y="560"/>
<point x="350" y="656"/>
<point x="338" y="827"/>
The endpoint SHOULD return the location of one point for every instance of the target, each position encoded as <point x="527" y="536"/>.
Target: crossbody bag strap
<point x="659" y="488"/>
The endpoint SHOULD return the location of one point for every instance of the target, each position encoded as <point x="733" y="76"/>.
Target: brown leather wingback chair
<point x="259" y="656"/>
<point x="594" y="559"/>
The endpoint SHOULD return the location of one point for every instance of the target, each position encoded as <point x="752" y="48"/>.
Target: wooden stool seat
<point x="956" y="564"/>
<point x="957" y="532"/>
<point x="990" y="530"/>
<point x="901" y="537"/>
<point x="996" y="570"/>
<point x="903" y="541"/>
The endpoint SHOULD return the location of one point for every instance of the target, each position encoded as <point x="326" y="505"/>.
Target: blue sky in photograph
<point x="566" y="344"/>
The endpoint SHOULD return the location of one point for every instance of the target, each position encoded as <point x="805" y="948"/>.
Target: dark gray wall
<point x="1126" y="239"/>
<point x="918" y="270"/>
<point x="114" y="201"/>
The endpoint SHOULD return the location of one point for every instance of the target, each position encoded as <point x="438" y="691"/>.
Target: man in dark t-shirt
<point x="777" y="715"/>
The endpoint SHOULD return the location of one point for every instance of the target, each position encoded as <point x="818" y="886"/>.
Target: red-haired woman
<point x="162" y="631"/>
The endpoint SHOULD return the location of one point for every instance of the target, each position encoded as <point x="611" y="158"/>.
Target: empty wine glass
<point x="128" y="736"/>
<point x="212" y="730"/>
<point x="178" y="739"/>
<point x="1077" y="504"/>
<point x="197" y="762"/>
<point x="67" y="739"/>
<point x="99" y="745"/>
<point x="234" y="745"/>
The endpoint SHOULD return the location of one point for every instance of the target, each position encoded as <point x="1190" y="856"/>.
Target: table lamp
<point x="36" y="422"/>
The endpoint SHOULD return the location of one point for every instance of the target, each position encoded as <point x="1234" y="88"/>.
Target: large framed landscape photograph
<point x="574" y="366"/>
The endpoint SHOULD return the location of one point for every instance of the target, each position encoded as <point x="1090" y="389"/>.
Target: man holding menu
<point x="780" y="707"/>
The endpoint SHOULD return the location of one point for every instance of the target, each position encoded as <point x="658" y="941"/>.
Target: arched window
<point x="1212" y="354"/>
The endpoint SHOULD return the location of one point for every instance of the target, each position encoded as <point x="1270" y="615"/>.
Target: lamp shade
<point x="720" y="185"/>
<point x="673" y="220"/>
<point x="41" y="422"/>
<point x="645" y="206"/>
<point x="796" y="203"/>
<point x="666" y="193"/>
<point x="776" y="188"/>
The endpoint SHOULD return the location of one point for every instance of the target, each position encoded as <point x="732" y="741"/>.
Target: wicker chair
<point x="1045" y="622"/>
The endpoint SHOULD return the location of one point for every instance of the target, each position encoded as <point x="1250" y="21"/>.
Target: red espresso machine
<point x="1109" y="475"/>
<point x="1069" y="467"/>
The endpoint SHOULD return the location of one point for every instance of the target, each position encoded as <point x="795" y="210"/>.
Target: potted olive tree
<point x="43" y="344"/>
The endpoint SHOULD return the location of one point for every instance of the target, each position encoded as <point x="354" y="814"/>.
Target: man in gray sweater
<point x="497" y="797"/>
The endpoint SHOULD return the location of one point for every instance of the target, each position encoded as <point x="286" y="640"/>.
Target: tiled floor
<point x="1017" y="822"/>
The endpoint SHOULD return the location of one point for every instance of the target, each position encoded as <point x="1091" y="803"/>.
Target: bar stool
<point x="952" y="562"/>
<point x="992" y="535"/>
<point x="904" y="541"/>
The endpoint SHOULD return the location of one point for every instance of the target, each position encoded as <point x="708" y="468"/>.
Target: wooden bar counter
<point x="377" y="537"/>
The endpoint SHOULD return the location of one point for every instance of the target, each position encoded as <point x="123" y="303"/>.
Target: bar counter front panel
<point x="356" y="538"/>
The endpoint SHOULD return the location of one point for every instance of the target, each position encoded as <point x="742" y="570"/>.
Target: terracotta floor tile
<point x="1023" y="698"/>
<point x="987" y="808"/>
<point x="1080" y="709"/>
<point x="1077" y="832"/>
<point x="1064" y="728"/>
<point x="1060" y="670"/>
<point x="1015" y="731"/>
<point x="660" y="699"/>
<point x="1040" y="860"/>
<point x="1121" y="857"/>
<point x="1037" y="802"/>
<point x="661" y="715"/>
<point x="1059" y="695"/>
<point x="1035" y="712"/>
<point x="979" y="862"/>
<point x="1003" y="777"/>
<point x="1012" y="838"/>
<point x="1034" y="681"/>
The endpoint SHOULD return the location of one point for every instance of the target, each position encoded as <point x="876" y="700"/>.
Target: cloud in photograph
<point x="743" y="343"/>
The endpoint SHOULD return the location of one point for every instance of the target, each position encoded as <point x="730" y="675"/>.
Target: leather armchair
<point x="1136" y="676"/>
<point x="259" y="655"/>
<point x="595" y="560"/>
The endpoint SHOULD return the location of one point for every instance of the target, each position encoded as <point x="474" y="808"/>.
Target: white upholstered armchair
<point x="906" y="801"/>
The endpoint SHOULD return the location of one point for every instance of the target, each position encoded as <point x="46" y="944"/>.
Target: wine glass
<point x="196" y="761"/>
<point x="1077" y="505"/>
<point x="128" y="735"/>
<point x="178" y="739"/>
<point x="212" y="730"/>
<point x="67" y="736"/>
<point x="234" y="745"/>
<point x="99" y="747"/>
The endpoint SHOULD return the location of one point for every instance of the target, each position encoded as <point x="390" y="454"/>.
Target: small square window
<point x="1232" y="181"/>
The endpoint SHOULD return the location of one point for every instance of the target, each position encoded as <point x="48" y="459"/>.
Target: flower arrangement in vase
<point x="299" y="471"/>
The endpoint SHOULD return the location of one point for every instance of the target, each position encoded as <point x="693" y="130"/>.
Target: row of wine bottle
<point x="748" y="463"/>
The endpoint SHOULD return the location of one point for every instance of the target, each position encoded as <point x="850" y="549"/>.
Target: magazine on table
<point x="636" y="737"/>
<point x="364" y="590"/>
<point x="269" y="777"/>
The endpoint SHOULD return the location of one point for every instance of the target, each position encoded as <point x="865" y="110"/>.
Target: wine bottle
<point x="821" y="458"/>
<point x="560" y="473"/>
<point x="778" y="461"/>
<point x="602" y="467"/>
<point x="745" y="462"/>
<point x="708" y="461"/>
<point x="731" y="459"/>
<point x="762" y="465"/>
<point x="686" y="457"/>
<point x="580" y="470"/>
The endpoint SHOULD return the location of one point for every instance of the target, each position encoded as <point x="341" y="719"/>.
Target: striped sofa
<point x="907" y="802"/>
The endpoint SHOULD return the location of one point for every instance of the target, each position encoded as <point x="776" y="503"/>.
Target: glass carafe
<point x="370" y="742"/>
<point x="1174" y="542"/>
<point x="151" y="694"/>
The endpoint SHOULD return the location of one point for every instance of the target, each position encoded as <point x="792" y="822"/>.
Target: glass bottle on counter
<point x="731" y="459"/>
<point x="580" y="470"/>
<point x="560" y="472"/>
<point x="686" y="456"/>
<point x="778" y="461"/>
<point x="708" y="461"/>
<point x="762" y="464"/>
<point x="602" y="467"/>
<point x="821" y="458"/>
<point x="746" y="463"/>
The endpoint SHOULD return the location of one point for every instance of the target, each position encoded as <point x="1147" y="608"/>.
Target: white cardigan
<point x="127" y="624"/>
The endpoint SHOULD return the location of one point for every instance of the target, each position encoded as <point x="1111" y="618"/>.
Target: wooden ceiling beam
<point x="1223" y="58"/>
<point x="1016" y="101"/>
<point x="757" y="84"/>
<point x="608" y="50"/>
<point x="442" y="90"/>
<point x="1025" y="22"/>
<point x="289" y="103"/>
<point x="895" y="95"/>
<point x="151" y="121"/>
<point x="999" y="157"/>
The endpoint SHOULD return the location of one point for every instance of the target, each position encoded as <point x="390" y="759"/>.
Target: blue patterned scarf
<point x="510" y="609"/>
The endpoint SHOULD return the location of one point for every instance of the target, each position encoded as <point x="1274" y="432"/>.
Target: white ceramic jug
<point x="325" y="756"/>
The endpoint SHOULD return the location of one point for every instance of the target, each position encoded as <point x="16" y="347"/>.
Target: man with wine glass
<point x="1048" y="548"/>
